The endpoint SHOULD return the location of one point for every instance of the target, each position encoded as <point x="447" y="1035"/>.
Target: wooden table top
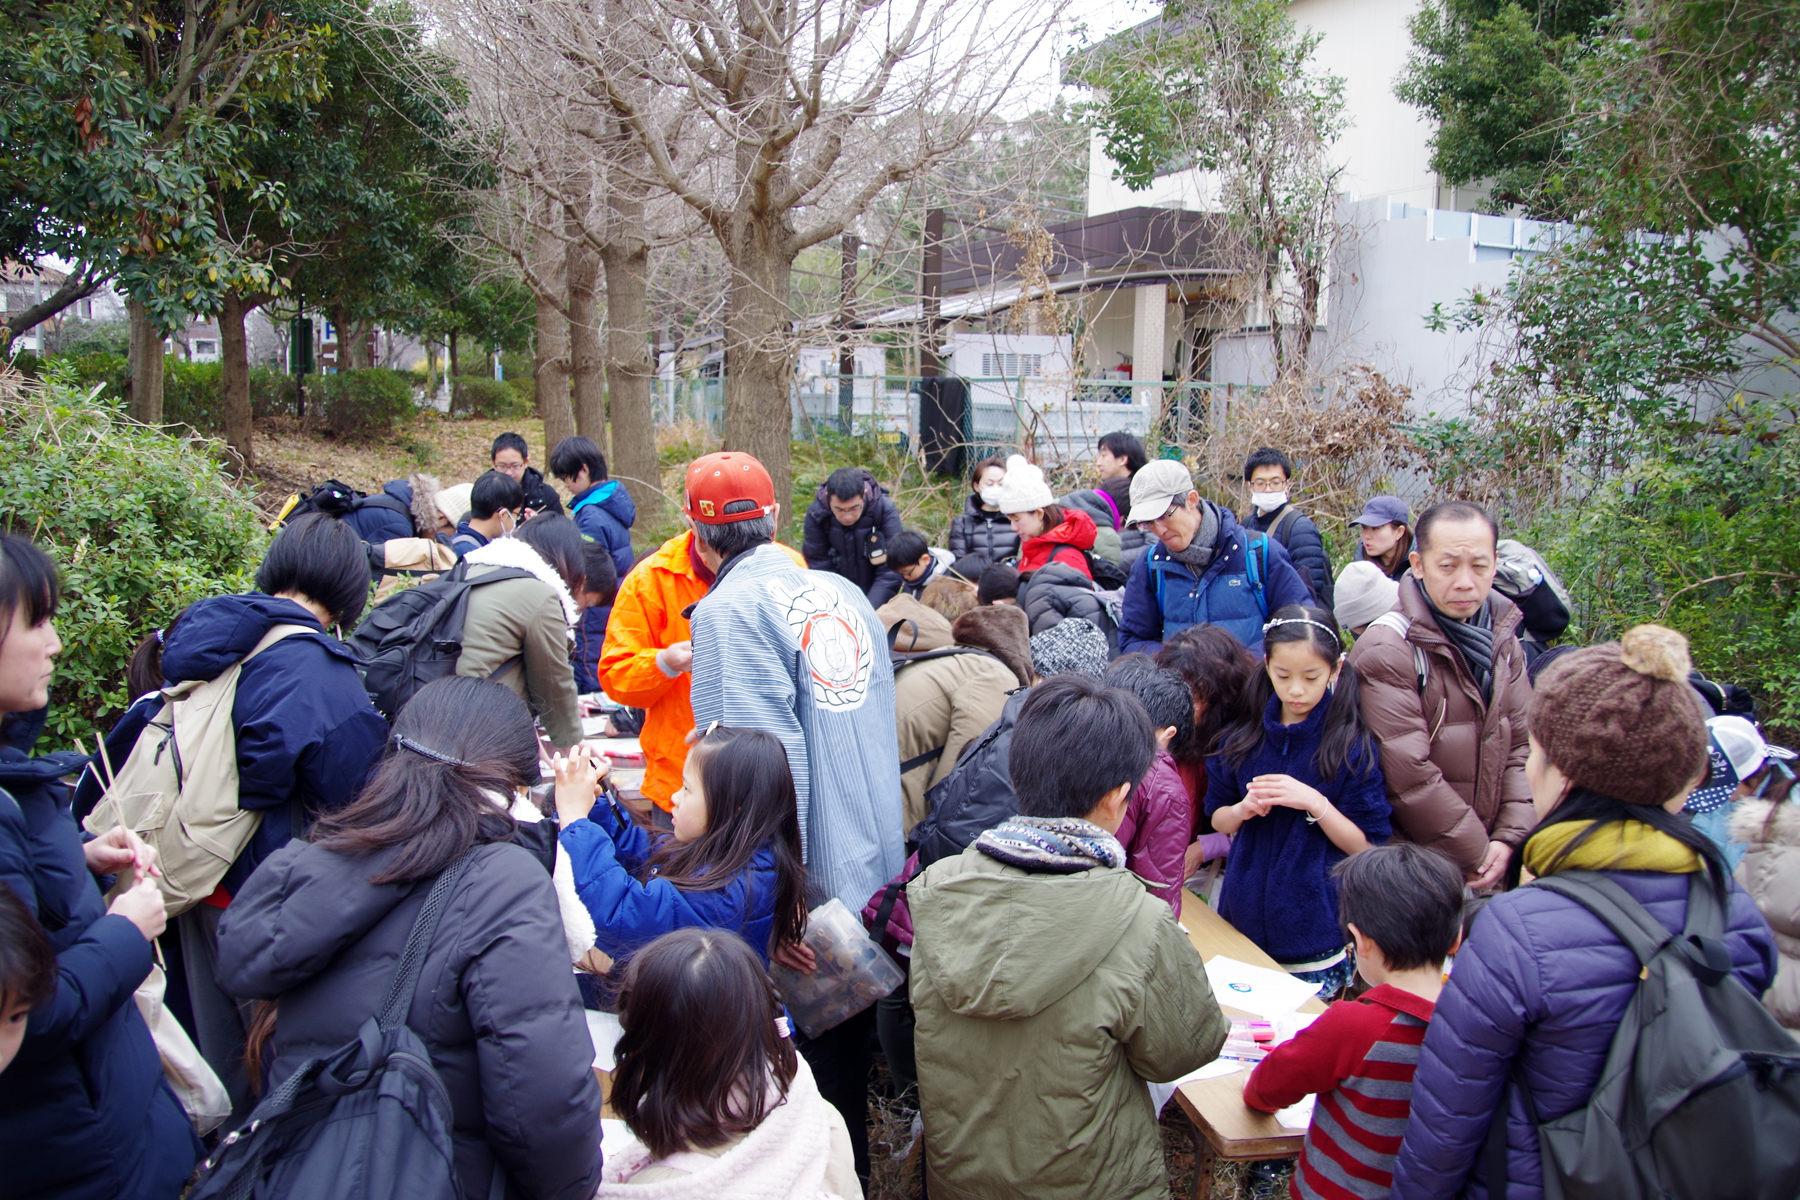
<point x="1216" y="1106"/>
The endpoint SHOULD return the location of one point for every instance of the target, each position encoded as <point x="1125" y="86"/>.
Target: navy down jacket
<point x="85" y="1113"/>
<point x="307" y="735"/>
<point x="1221" y="596"/>
<point x="1306" y="548"/>
<point x="1543" y="981"/>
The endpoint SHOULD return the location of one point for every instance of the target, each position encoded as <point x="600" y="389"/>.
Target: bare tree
<point x="777" y="123"/>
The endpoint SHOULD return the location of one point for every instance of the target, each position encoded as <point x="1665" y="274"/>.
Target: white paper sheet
<point x="1297" y="1116"/>
<point x="1160" y="1093"/>
<point x="604" y="1029"/>
<point x="1268" y="994"/>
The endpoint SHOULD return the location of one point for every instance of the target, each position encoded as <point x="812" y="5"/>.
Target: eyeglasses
<point x="1178" y="502"/>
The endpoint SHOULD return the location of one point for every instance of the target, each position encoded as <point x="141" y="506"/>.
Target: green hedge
<point x="140" y="523"/>
<point x="479" y="396"/>
<point x="370" y="401"/>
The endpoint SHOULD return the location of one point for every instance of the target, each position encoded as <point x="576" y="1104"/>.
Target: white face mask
<point x="991" y="495"/>
<point x="1268" y="501"/>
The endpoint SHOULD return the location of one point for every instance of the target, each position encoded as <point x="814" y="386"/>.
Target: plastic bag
<point x="852" y="973"/>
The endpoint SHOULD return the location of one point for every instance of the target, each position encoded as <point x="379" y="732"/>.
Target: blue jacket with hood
<point x="307" y="735"/>
<point x="85" y="1113"/>
<point x="1163" y="596"/>
<point x="604" y="513"/>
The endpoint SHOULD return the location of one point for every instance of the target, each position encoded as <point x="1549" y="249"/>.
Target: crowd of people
<point x="356" y="847"/>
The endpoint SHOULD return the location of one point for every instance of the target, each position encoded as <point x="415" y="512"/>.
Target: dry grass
<point x="290" y="458"/>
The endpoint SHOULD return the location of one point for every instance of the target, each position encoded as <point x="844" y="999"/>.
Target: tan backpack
<point x="178" y="789"/>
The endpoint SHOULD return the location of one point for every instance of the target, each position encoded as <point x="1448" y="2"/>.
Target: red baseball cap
<point x="716" y="481"/>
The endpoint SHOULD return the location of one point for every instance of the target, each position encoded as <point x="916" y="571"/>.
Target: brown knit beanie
<point x="1621" y="718"/>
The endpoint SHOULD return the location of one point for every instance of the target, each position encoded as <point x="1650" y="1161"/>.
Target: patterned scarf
<point x="1051" y="845"/>
<point x="1473" y="639"/>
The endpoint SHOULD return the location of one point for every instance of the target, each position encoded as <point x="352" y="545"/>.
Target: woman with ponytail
<point x="319" y="927"/>
<point x="1618" y="740"/>
<point x="1298" y="787"/>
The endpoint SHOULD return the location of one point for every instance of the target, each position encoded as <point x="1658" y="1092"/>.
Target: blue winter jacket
<point x="1305" y="546"/>
<point x="466" y="539"/>
<point x="605" y="512"/>
<point x="307" y="735"/>
<point x="1163" y="597"/>
<point x="1543" y="981"/>
<point x="1279" y="892"/>
<point x="85" y="1113"/>
<point x="376" y="523"/>
<point x="606" y="853"/>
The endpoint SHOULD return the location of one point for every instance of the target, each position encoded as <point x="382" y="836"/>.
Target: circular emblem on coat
<point x="835" y="647"/>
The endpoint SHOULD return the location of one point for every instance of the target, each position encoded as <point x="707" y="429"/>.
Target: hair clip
<point x="783" y="1027"/>
<point x="406" y="743"/>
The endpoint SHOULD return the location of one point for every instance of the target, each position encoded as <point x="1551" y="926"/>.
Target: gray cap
<point x="1155" y="486"/>
<point x="1384" y="510"/>
<point x="1363" y="592"/>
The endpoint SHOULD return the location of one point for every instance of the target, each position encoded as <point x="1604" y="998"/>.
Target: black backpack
<point x="415" y="636"/>
<point x="976" y="796"/>
<point x="1725" y="699"/>
<point x="370" y="1121"/>
<point x="1699" y="1097"/>
<point x="340" y="500"/>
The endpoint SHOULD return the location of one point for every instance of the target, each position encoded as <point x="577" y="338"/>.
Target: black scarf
<point x="1473" y="639"/>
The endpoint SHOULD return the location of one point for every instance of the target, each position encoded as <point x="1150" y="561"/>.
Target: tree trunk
<point x="234" y="378"/>
<point x="758" y="352"/>
<point x="587" y="360"/>
<point x="629" y="368"/>
<point x="353" y="347"/>
<point x="145" y="399"/>
<point x="455" y="369"/>
<point x="551" y="352"/>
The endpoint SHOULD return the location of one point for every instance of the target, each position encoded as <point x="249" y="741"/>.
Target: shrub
<point x="141" y="523"/>
<point x="1697" y="535"/>
<point x="272" y="393"/>
<point x="193" y="394"/>
<point x="479" y="396"/>
<point x="370" y="401"/>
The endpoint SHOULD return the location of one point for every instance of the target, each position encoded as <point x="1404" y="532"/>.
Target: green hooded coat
<point x="1044" y="1003"/>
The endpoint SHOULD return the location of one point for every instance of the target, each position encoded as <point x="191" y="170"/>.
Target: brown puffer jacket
<point x="1455" y="766"/>
<point x="1770" y="872"/>
<point x="941" y="704"/>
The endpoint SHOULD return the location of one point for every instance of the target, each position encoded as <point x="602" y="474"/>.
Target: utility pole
<point x="846" y="353"/>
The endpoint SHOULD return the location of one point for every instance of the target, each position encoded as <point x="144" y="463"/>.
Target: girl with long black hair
<point x="318" y="929"/>
<point x="1298" y="786"/>
<point x="733" y="861"/>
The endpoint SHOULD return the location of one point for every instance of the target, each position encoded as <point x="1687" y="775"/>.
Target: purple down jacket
<point x="1540" y="977"/>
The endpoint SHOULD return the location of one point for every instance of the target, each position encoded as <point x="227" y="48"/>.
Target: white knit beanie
<point x="1024" y="488"/>
<point x="1363" y="592"/>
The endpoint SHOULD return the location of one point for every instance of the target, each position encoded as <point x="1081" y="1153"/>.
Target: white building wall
<point x="1383" y="150"/>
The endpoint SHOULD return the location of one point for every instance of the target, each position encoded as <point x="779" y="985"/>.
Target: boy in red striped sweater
<point x="1401" y="905"/>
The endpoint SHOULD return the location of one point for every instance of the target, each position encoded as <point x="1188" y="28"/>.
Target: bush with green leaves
<point x="479" y="396"/>
<point x="1697" y="535"/>
<point x="141" y="523"/>
<point x="370" y="401"/>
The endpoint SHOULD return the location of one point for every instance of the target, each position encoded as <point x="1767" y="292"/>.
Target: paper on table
<point x="1268" y="994"/>
<point x="1297" y="1116"/>
<point x="1161" y="1092"/>
<point x="604" y="1029"/>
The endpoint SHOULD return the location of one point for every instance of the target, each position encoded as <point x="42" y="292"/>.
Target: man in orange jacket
<point x="646" y="658"/>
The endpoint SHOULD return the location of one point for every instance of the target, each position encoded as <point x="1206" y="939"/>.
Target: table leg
<point x="1204" y="1160"/>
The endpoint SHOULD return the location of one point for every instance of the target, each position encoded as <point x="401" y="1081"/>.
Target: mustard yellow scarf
<point x="1616" y="846"/>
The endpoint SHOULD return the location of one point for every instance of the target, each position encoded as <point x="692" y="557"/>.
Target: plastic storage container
<point x="852" y="973"/>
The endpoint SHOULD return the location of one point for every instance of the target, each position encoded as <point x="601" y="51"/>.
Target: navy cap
<point x="1384" y="510"/>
